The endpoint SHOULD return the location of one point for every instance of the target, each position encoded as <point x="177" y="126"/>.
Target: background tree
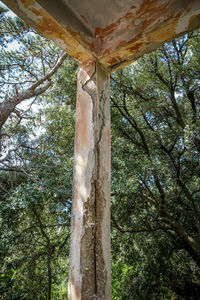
<point x="156" y="139"/>
<point x="155" y="169"/>
<point x="36" y="163"/>
<point x="28" y="62"/>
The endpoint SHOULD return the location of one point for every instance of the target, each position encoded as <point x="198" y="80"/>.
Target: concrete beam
<point x="42" y="21"/>
<point x="112" y="32"/>
<point x="90" y="275"/>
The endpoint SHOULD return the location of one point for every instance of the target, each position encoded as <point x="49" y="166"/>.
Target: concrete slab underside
<point x="102" y="36"/>
<point x="112" y="32"/>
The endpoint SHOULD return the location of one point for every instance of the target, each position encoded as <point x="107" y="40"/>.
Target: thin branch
<point x="139" y="229"/>
<point x="8" y="106"/>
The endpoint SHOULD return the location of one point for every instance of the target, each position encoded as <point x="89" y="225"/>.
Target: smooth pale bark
<point x="90" y="275"/>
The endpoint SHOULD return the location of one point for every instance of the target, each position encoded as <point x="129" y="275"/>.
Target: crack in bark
<point x="98" y="189"/>
<point x="96" y="200"/>
<point x="98" y="126"/>
<point x="91" y="91"/>
<point x="95" y="238"/>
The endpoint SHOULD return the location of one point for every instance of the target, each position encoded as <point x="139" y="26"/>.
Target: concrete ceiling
<point x="113" y="32"/>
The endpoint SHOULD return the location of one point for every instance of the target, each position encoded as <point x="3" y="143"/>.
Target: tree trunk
<point x="191" y="243"/>
<point x="90" y="276"/>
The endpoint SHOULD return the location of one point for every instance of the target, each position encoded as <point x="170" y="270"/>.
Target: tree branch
<point x="39" y="87"/>
<point x="139" y="229"/>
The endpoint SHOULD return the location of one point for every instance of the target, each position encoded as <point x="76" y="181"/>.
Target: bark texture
<point x="90" y="227"/>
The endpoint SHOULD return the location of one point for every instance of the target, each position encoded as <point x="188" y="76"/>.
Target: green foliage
<point x="35" y="177"/>
<point x="155" y="171"/>
<point x="155" y="175"/>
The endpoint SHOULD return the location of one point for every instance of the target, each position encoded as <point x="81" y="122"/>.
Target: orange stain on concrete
<point x="136" y="31"/>
<point x="147" y="14"/>
<point x="165" y="33"/>
<point x="88" y="67"/>
<point x="84" y="19"/>
<point x="51" y="29"/>
<point x="135" y="47"/>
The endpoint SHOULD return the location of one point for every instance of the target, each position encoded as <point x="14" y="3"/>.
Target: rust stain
<point x="136" y="47"/>
<point x="100" y="33"/>
<point x="129" y="37"/>
<point x="150" y="7"/>
<point x="88" y="45"/>
<point x="84" y="19"/>
<point x="133" y="7"/>
<point x="51" y="29"/>
<point x="28" y="3"/>
<point x="114" y="60"/>
<point x="122" y="44"/>
<point x="140" y="42"/>
<point x="145" y="15"/>
<point x="88" y="67"/>
<point x="164" y="33"/>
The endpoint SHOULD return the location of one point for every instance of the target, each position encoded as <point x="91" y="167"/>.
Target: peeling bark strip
<point x="90" y="275"/>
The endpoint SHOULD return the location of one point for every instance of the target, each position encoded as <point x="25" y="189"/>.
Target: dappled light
<point x="69" y="218"/>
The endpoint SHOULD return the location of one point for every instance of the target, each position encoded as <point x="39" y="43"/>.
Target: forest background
<point x="155" y="112"/>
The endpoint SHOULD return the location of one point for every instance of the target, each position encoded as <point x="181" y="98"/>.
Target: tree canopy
<point x="156" y="139"/>
<point x="155" y="112"/>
